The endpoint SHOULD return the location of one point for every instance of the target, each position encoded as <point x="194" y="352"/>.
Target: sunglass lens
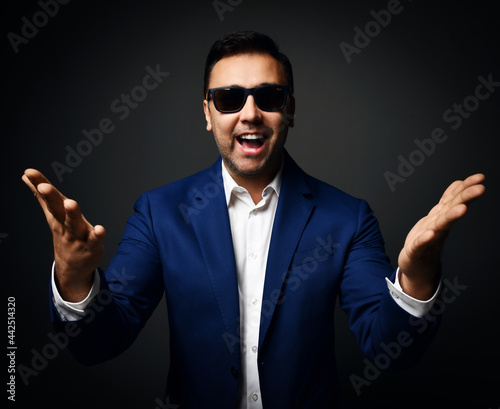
<point x="229" y="100"/>
<point x="270" y="98"/>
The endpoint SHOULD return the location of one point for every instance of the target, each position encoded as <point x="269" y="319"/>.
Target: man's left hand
<point x="420" y="257"/>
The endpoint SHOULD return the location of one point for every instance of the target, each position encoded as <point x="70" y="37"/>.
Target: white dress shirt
<point x="251" y="227"/>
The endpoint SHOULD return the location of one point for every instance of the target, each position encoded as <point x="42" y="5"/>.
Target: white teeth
<point x="252" y="137"/>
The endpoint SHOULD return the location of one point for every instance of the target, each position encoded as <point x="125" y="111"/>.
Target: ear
<point x="208" y="115"/>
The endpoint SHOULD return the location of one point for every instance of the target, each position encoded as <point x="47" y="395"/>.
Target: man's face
<point x="250" y="141"/>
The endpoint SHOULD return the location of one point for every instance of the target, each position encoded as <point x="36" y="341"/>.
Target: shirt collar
<point x="230" y="185"/>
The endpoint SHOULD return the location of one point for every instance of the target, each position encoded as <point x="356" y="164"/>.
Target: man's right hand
<point x="78" y="246"/>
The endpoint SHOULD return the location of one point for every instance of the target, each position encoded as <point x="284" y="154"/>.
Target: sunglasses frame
<point x="247" y="92"/>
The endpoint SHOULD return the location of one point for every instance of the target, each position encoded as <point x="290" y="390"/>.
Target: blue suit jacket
<point x="325" y="244"/>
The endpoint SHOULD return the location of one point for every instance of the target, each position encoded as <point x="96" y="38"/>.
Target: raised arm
<point x="78" y="246"/>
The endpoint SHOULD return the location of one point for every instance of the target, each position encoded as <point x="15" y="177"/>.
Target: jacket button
<point x="235" y="372"/>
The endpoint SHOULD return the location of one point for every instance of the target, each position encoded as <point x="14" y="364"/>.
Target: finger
<point x="475" y="179"/>
<point x="464" y="197"/>
<point x="456" y="209"/>
<point x="31" y="184"/>
<point x="458" y="193"/>
<point x="97" y="234"/>
<point x="448" y="194"/>
<point x="100" y="231"/>
<point x="77" y="225"/>
<point x="36" y="177"/>
<point x="447" y="219"/>
<point x="470" y="189"/>
<point x="53" y="200"/>
<point x="42" y="191"/>
<point x="457" y="187"/>
<point x="471" y="181"/>
<point x="469" y="194"/>
<point x="74" y="222"/>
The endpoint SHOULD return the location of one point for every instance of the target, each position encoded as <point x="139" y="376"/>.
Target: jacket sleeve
<point x="379" y="325"/>
<point x="131" y="288"/>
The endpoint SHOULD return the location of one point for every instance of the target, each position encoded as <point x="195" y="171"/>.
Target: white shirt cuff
<point x="73" y="311"/>
<point x="417" y="308"/>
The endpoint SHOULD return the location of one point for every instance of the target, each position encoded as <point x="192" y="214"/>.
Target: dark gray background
<point x="353" y="121"/>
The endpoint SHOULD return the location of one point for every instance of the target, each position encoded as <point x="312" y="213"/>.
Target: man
<point x="251" y="254"/>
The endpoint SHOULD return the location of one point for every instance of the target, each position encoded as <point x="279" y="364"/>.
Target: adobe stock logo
<point x="57" y="342"/>
<point x="392" y="350"/>
<point x="362" y="38"/>
<point x="222" y="7"/>
<point x="453" y="116"/>
<point x="40" y="19"/>
<point x="122" y="107"/>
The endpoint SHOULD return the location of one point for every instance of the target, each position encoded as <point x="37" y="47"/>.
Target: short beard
<point x="233" y="168"/>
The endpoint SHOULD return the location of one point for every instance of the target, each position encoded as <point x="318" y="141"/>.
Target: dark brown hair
<point x="241" y="42"/>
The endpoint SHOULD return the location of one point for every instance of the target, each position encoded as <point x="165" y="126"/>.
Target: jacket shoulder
<point x="334" y="200"/>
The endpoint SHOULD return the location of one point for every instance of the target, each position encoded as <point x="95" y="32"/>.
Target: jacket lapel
<point x="211" y="225"/>
<point x="213" y="231"/>
<point x="292" y="214"/>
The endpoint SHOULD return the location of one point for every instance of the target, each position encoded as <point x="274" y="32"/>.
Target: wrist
<point x="73" y="286"/>
<point x="419" y="287"/>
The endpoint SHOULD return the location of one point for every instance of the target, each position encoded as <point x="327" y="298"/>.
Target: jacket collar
<point x="231" y="186"/>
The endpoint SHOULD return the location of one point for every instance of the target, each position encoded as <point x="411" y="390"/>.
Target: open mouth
<point x="251" y="142"/>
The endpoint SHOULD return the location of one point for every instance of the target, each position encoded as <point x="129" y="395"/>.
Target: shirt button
<point x="255" y="397"/>
<point x="254" y="301"/>
<point x="253" y="255"/>
<point x="254" y="349"/>
<point x="255" y="212"/>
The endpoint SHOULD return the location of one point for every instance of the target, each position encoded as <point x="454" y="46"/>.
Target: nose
<point x="250" y="111"/>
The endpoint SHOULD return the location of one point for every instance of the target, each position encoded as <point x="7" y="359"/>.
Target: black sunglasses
<point x="232" y="99"/>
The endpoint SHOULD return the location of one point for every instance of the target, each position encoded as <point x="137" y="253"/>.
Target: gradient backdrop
<point x="353" y="121"/>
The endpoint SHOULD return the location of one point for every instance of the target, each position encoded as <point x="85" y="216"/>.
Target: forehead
<point x="247" y="70"/>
